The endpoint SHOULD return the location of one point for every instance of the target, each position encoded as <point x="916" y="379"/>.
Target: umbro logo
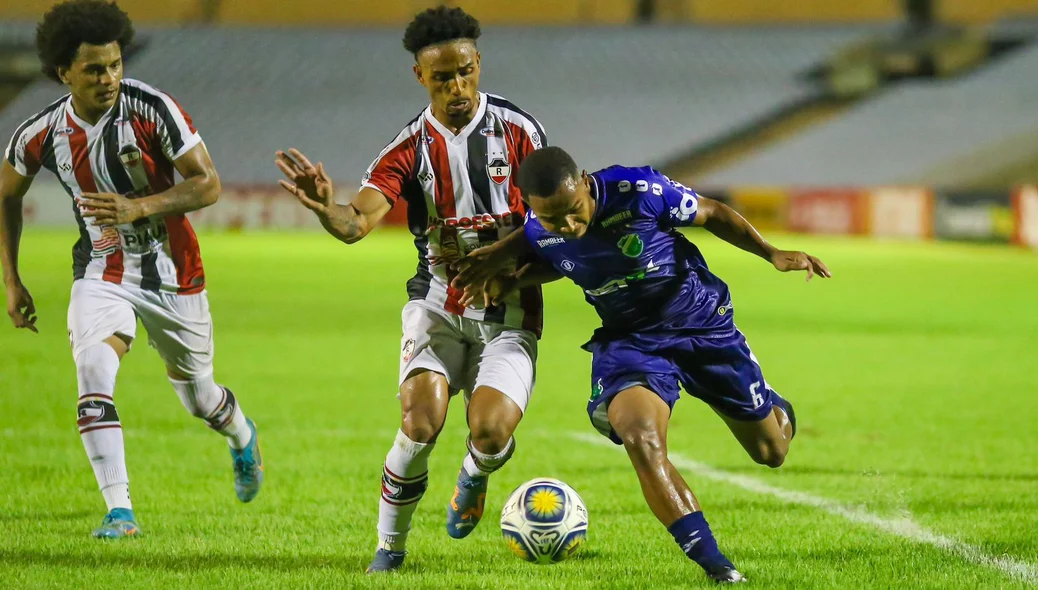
<point x="65" y="167"/>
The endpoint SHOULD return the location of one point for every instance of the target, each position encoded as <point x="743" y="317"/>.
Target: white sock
<point x="405" y="476"/>
<point x="99" y="425"/>
<point x="478" y="464"/>
<point x="470" y="467"/>
<point x="217" y="406"/>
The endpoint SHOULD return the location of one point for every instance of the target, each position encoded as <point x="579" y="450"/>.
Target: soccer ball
<point x="544" y="521"/>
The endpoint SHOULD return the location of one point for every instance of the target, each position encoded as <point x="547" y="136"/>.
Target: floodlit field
<point x="913" y="373"/>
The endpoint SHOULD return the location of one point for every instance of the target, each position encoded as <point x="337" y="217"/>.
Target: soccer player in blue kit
<point x="666" y="319"/>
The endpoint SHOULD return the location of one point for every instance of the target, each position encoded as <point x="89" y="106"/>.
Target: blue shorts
<point x="718" y="369"/>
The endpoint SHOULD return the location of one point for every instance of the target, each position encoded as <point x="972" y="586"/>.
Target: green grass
<point x="912" y="371"/>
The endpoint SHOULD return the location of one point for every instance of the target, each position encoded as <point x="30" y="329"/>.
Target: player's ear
<point x="418" y="74"/>
<point x="62" y="74"/>
<point x="586" y="178"/>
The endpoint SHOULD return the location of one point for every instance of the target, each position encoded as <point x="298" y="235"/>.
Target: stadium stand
<point x="937" y="122"/>
<point x="636" y="97"/>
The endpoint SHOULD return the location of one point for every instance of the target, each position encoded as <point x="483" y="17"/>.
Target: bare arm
<point x="199" y="189"/>
<point x="311" y="185"/>
<point x="13" y="187"/>
<point x="726" y="223"/>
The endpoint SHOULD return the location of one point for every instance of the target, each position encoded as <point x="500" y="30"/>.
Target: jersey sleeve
<point x="25" y="150"/>
<point x="176" y="132"/>
<point x="671" y="203"/>
<point x="393" y="167"/>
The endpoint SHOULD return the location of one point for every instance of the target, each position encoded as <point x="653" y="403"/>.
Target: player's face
<point x="450" y="72"/>
<point x="569" y="211"/>
<point x="94" y="76"/>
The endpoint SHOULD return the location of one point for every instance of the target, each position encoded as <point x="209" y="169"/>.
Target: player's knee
<point x="768" y="454"/>
<point x="420" y="426"/>
<point x="96" y="369"/>
<point x="643" y="444"/>
<point x="489" y="436"/>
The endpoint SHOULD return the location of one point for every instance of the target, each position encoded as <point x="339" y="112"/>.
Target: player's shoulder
<point x="627" y="182"/>
<point x="42" y="119"/>
<point x="142" y="91"/>
<point x="509" y="111"/>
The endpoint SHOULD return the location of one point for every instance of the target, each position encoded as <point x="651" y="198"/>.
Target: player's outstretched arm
<point x="199" y="189"/>
<point x="726" y="223"/>
<point x="13" y="187"/>
<point x="312" y="186"/>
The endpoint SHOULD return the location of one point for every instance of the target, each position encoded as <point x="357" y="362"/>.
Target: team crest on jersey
<point x="130" y="156"/>
<point x="408" y="349"/>
<point x="497" y="167"/>
<point x="108" y="243"/>
<point x="631" y="245"/>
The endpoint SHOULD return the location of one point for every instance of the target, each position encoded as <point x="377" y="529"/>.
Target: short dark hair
<point x="544" y="170"/>
<point x="439" y="25"/>
<point x="70" y="24"/>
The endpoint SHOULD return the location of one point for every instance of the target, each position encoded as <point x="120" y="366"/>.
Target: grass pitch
<point x="912" y="371"/>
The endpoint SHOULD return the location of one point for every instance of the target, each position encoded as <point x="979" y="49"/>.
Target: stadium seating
<point x="936" y="123"/>
<point x="631" y="95"/>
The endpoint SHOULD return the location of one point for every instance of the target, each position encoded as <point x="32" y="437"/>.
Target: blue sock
<point x="692" y="534"/>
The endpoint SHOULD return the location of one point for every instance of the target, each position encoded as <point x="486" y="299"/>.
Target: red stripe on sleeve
<point x="187" y="117"/>
<point x="77" y="140"/>
<point x="393" y="169"/>
<point x="34" y="152"/>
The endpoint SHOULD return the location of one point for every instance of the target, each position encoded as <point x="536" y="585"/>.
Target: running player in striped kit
<point x="114" y="144"/>
<point x="454" y="165"/>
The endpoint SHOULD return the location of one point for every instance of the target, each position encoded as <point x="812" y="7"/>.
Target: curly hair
<point x="438" y="25"/>
<point x="68" y="25"/>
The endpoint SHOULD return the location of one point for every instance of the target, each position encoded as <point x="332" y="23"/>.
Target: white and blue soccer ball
<point x="544" y="521"/>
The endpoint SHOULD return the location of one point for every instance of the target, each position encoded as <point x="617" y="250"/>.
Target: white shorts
<point x="468" y="352"/>
<point x="179" y="326"/>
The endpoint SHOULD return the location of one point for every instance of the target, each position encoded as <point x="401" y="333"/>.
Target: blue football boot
<point x="386" y="561"/>
<point x="248" y="467"/>
<point x="119" y="523"/>
<point x="466" y="505"/>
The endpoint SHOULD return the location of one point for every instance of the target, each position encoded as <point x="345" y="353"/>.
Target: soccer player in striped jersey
<point x="114" y="144"/>
<point x="454" y="165"/>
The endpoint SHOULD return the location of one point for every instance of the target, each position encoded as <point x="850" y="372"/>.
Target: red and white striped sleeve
<point x="394" y="166"/>
<point x="174" y="127"/>
<point x="527" y="132"/>
<point x="25" y="151"/>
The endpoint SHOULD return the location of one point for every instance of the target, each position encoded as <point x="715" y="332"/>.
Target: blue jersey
<point x="639" y="272"/>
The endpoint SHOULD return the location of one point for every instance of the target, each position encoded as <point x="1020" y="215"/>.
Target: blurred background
<point x="907" y="118"/>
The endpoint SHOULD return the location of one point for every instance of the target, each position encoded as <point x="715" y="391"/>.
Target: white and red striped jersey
<point x="461" y="193"/>
<point x="129" y="151"/>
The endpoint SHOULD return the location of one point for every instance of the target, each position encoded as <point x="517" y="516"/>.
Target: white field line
<point x="901" y="527"/>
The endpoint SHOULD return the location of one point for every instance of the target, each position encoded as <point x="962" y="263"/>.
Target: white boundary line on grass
<point x="901" y="527"/>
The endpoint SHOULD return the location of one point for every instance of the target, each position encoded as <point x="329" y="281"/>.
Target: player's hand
<point x="109" y="208"/>
<point x="479" y="266"/>
<point x="491" y="292"/>
<point x="787" y="260"/>
<point x="306" y="182"/>
<point x="21" y="308"/>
